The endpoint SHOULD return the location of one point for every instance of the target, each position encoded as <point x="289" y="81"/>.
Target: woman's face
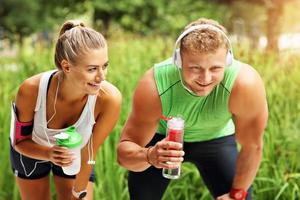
<point x="89" y="71"/>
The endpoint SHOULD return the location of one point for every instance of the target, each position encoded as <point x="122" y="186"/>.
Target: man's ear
<point x="65" y="66"/>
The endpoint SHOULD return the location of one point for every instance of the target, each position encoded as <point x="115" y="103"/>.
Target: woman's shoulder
<point x="27" y="96"/>
<point x="108" y="99"/>
<point x="30" y="87"/>
<point x="109" y="90"/>
<point x="109" y="94"/>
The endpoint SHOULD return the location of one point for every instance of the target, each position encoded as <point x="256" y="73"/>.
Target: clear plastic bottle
<point x="175" y="131"/>
<point x="72" y="140"/>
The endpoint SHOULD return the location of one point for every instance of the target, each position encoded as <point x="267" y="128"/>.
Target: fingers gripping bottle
<point x="175" y="131"/>
<point x="72" y="140"/>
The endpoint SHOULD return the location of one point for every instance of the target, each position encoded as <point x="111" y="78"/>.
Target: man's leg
<point x="216" y="161"/>
<point x="149" y="184"/>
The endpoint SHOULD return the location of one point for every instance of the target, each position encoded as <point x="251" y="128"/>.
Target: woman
<point x="76" y="94"/>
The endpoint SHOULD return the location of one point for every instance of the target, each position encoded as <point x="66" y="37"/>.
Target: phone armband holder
<point x="19" y="130"/>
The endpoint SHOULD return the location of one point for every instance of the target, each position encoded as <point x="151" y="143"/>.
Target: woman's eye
<point x="104" y="66"/>
<point x="92" y="69"/>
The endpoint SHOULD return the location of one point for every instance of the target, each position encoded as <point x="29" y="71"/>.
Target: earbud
<point x="91" y="162"/>
<point x="91" y="152"/>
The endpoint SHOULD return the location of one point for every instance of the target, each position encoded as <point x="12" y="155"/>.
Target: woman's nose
<point x="100" y="75"/>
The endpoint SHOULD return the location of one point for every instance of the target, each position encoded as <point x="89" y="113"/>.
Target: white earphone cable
<point x="44" y="161"/>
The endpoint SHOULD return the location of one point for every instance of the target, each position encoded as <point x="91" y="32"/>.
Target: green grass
<point x="279" y="174"/>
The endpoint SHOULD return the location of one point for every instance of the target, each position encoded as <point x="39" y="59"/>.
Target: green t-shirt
<point x="206" y="117"/>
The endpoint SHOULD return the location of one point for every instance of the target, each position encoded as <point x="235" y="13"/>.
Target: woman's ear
<point x="65" y="66"/>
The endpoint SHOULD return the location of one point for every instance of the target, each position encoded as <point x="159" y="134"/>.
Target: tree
<point x="137" y="16"/>
<point x="274" y="14"/>
<point x="274" y="11"/>
<point x="20" y="18"/>
<point x="153" y="16"/>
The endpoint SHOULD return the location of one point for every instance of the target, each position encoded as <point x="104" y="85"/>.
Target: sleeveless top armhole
<point x="43" y="83"/>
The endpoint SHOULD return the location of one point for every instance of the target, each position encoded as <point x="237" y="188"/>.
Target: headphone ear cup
<point x="177" y="58"/>
<point x="229" y="58"/>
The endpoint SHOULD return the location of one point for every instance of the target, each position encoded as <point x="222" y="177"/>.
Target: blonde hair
<point x="75" y="39"/>
<point x="204" y="40"/>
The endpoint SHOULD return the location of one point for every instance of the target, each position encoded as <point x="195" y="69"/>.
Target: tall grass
<point x="279" y="174"/>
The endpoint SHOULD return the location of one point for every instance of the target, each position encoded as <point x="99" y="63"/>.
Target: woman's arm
<point x="107" y="111"/>
<point x="25" y="103"/>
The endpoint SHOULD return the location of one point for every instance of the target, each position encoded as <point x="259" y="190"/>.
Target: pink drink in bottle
<point x="175" y="131"/>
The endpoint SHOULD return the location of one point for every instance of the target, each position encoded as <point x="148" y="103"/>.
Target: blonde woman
<point x="75" y="94"/>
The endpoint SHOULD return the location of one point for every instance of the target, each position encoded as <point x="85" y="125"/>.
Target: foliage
<point x="157" y="16"/>
<point x="274" y="10"/>
<point x="130" y="57"/>
<point x="20" y="18"/>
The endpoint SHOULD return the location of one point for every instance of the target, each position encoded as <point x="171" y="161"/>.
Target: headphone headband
<point x="201" y="27"/>
<point x="176" y="54"/>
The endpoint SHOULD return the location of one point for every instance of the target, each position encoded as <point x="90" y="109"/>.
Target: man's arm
<point x="140" y="129"/>
<point x="249" y="107"/>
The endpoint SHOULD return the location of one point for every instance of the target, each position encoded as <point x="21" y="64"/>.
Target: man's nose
<point x="205" y="76"/>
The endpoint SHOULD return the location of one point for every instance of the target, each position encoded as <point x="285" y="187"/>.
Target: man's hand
<point x="165" y="154"/>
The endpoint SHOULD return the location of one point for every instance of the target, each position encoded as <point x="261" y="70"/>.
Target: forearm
<point x="31" y="149"/>
<point x="82" y="178"/>
<point x="247" y="166"/>
<point x="132" y="156"/>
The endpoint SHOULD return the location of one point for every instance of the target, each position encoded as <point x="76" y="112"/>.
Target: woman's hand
<point x="165" y="154"/>
<point x="224" y="197"/>
<point x="61" y="156"/>
<point x="74" y="198"/>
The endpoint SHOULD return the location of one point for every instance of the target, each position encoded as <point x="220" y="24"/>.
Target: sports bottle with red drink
<point x="175" y="131"/>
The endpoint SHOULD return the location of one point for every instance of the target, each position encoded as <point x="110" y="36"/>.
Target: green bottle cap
<point x="70" y="138"/>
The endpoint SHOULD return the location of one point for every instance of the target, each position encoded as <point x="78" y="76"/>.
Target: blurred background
<point x="264" y="33"/>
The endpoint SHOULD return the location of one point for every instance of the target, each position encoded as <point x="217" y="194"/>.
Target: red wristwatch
<point x="238" y="194"/>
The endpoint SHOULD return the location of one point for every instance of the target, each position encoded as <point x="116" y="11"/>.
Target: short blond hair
<point x="204" y="40"/>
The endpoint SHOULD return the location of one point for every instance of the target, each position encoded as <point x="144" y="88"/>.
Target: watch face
<point x="82" y="195"/>
<point x="238" y="195"/>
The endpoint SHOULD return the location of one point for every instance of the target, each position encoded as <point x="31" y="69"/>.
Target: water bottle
<point x="72" y="140"/>
<point x="175" y="131"/>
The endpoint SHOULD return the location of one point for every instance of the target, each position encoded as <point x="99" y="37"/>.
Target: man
<point x="222" y="101"/>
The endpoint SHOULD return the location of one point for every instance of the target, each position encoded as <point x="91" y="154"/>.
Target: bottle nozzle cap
<point x="70" y="138"/>
<point x="62" y="136"/>
<point x="176" y="123"/>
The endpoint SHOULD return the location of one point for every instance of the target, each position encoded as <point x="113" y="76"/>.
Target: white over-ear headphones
<point x="176" y="54"/>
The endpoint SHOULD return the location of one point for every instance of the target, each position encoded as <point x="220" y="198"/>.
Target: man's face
<point x="203" y="71"/>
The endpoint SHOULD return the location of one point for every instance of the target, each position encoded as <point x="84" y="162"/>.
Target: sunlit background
<point x="264" y="33"/>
